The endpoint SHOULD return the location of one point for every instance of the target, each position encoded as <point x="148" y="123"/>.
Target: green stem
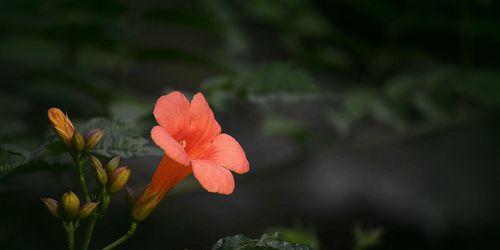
<point x="81" y="173"/>
<point x="70" y="232"/>
<point x="105" y="199"/>
<point x="90" y="231"/>
<point x="124" y="238"/>
<point x="71" y="239"/>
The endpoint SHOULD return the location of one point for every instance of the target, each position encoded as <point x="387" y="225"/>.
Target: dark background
<point x="382" y="114"/>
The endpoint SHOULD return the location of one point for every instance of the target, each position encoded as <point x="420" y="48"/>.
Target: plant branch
<point x="104" y="201"/>
<point x="70" y="232"/>
<point x="90" y="231"/>
<point x="125" y="237"/>
<point x="71" y="239"/>
<point x="81" y="173"/>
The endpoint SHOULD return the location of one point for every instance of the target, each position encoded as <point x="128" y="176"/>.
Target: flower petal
<point x="171" y="147"/>
<point x="203" y="126"/>
<point x="172" y="113"/>
<point x="167" y="175"/>
<point x="213" y="178"/>
<point x="226" y="152"/>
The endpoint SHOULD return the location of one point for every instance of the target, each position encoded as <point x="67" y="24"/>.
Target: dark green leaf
<point x="274" y="125"/>
<point x="120" y="138"/>
<point x="17" y="159"/>
<point x="483" y="87"/>
<point x="277" y="77"/>
<point x="266" y="242"/>
<point x="365" y="239"/>
<point x="15" y="150"/>
<point x="273" y="81"/>
<point x="298" y="235"/>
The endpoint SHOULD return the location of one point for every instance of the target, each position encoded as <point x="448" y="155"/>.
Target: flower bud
<point x="113" y="164"/>
<point x="70" y="205"/>
<point x="61" y="124"/>
<point x="87" y="209"/>
<point x="53" y="206"/>
<point x="118" y="179"/>
<point x="78" y="142"/>
<point x="93" y="137"/>
<point x="102" y="176"/>
<point x="145" y="205"/>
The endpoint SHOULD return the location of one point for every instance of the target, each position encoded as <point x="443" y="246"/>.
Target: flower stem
<point x="105" y="200"/>
<point x="90" y="231"/>
<point x="124" y="238"/>
<point x="70" y="232"/>
<point x="71" y="239"/>
<point x="81" y="173"/>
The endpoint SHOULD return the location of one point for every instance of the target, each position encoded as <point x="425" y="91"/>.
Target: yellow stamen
<point x="183" y="143"/>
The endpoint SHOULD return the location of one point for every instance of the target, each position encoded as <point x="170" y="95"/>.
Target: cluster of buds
<point x="69" y="208"/>
<point x="70" y="135"/>
<point x="112" y="177"/>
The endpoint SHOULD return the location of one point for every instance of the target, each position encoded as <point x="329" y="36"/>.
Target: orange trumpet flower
<point x="192" y="141"/>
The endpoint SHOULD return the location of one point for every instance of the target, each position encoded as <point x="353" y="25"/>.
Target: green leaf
<point x="7" y="168"/>
<point x="342" y="121"/>
<point x="429" y="108"/>
<point x="266" y="242"/>
<point x="483" y="87"/>
<point x="15" y="150"/>
<point x="368" y="103"/>
<point x="17" y="159"/>
<point x="281" y="81"/>
<point x="277" y="77"/>
<point x="275" y="125"/>
<point x="298" y="235"/>
<point x="120" y="139"/>
<point x="365" y="239"/>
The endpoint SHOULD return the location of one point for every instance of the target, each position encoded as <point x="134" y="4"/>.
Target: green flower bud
<point x="78" y="142"/>
<point x="118" y="179"/>
<point x="70" y="205"/>
<point x="93" y="137"/>
<point x="102" y="176"/>
<point x="113" y="164"/>
<point x="145" y="205"/>
<point x="87" y="209"/>
<point x="53" y="206"/>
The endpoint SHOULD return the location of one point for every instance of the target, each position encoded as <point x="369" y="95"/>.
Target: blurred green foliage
<point x="399" y="65"/>
<point x="365" y="238"/>
<point x="298" y="235"/>
<point x="64" y="47"/>
<point x="265" y="242"/>
<point x="281" y="80"/>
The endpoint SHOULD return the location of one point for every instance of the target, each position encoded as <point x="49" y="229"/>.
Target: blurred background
<point x="362" y="120"/>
